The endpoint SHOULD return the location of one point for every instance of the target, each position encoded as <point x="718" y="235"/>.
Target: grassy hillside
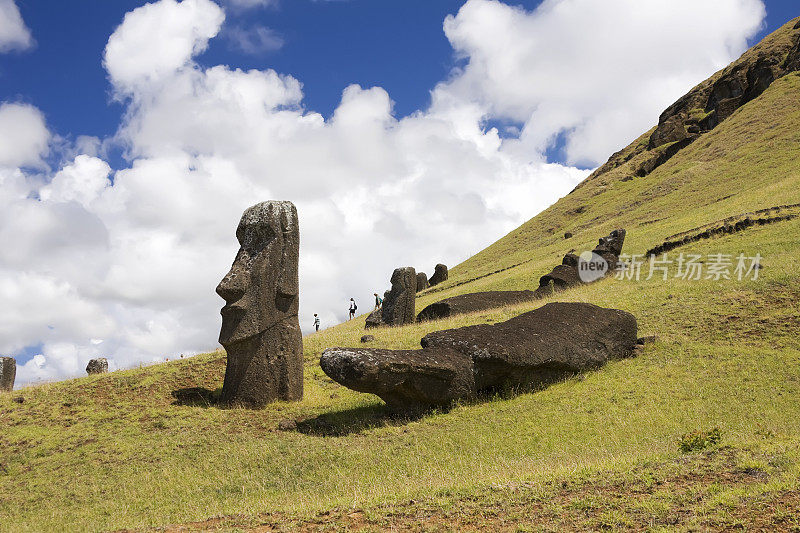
<point x="148" y="447"/>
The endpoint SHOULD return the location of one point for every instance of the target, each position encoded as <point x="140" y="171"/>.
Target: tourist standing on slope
<point x="378" y="301"/>
<point x="316" y="322"/>
<point x="353" y="308"/>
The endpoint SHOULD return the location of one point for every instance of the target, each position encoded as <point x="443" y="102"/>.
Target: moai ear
<point x="288" y="282"/>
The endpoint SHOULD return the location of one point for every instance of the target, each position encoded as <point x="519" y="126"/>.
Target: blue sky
<point x="327" y="45"/>
<point x="499" y="109"/>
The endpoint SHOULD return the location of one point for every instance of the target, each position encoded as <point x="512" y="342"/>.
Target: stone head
<point x="613" y="243"/>
<point x="261" y="287"/>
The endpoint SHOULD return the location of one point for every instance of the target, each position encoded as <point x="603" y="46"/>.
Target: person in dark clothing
<point x="353" y="308"/>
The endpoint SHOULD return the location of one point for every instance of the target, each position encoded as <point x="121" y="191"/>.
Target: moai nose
<point x="231" y="288"/>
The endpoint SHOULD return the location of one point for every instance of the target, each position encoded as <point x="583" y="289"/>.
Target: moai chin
<point x="260" y="327"/>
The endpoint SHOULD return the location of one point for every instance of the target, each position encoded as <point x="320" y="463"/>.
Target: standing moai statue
<point x="260" y="327"/>
<point x="439" y="275"/>
<point x="97" y="366"/>
<point x="422" y="281"/>
<point x="398" y="304"/>
<point x="8" y="372"/>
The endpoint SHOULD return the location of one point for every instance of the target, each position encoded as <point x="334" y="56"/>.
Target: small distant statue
<point x="97" y="366"/>
<point x="8" y="373"/>
<point x="260" y="325"/>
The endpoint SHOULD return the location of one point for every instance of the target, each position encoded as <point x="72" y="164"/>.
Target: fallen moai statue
<point x="260" y="326"/>
<point x="398" y="303"/>
<point x="439" y="275"/>
<point x="576" y="270"/>
<point x="8" y="373"/>
<point x="530" y="351"/>
<point x="470" y="303"/>
<point x="97" y="366"/>
<point x="604" y="258"/>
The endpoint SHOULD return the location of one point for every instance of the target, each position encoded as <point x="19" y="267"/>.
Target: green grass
<point x="122" y="451"/>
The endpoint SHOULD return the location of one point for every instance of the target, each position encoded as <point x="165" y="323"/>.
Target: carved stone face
<point x="261" y="287"/>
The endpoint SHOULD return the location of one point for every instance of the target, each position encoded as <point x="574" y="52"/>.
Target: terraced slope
<point x="149" y="447"/>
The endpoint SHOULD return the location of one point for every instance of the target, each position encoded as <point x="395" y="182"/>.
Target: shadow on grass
<point x="197" y="397"/>
<point x="355" y="420"/>
<point x="358" y="419"/>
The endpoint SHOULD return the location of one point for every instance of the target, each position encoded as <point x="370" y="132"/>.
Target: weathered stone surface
<point x="422" y="281"/>
<point x="8" y="373"/>
<point x="97" y="366"/>
<point x="571" y="260"/>
<point x="561" y="277"/>
<point x="439" y="275"/>
<point x="374" y="319"/>
<point x="260" y="327"/>
<point x="470" y="303"/>
<point x="568" y="273"/>
<point x="531" y="350"/>
<point x="610" y="247"/>
<point x="649" y="339"/>
<point x="367" y="338"/>
<point x="407" y="380"/>
<point x="398" y="304"/>
<point x="612" y="243"/>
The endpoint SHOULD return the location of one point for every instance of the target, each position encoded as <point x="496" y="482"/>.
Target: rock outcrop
<point x="422" y="281"/>
<point x="711" y="102"/>
<point x="470" y="303"/>
<point x="260" y="326"/>
<point x="398" y="302"/>
<point x="576" y="270"/>
<point x="528" y="351"/>
<point x="97" y="366"/>
<point x="439" y="275"/>
<point x="8" y="373"/>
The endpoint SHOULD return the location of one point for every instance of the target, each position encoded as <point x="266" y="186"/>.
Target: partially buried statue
<point x="260" y="327"/>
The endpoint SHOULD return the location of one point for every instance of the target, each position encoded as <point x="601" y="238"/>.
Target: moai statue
<point x="97" y="366"/>
<point x="260" y="327"/>
<point x="399" y="302"/>
<point x="8" y="372"/>
<point x="439" y="275"/>
<point x="422" y="281"/>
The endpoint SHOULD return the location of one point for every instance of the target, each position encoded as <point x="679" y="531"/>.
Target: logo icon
<point x="591" y="267"/>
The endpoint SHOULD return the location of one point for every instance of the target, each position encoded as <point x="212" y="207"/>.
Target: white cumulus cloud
<point x="601" y="72"/>
<point x="14" y="35"/>
<point x="156" y="39"/>
<point x="24" y="136"/>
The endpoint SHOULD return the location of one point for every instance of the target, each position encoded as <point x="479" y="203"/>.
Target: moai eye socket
<point x="254" y="237"/>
